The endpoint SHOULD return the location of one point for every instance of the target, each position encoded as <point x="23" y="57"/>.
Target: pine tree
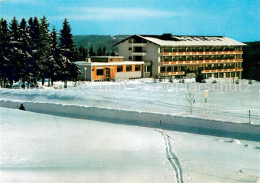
<point x="66" y="40"/>
<point x="104" y="51"/>
<point x="16" y="55"/>
<point x="33" y="30"/>
<point x="113" y="53"/>
<point x="43" y="52"/>
<point x="4" y="51"/>
<point x="24" y="41"/>
<point x="67" y="46"/>
<point x="99" y="51"/>
<point x="57" y="59"/>
<point x="83" y="52"/>
<point x="91" y="51"/>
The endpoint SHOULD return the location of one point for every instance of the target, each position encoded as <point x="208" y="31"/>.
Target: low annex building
<point x="173" y="56"/>
<point x="105" y="68"/>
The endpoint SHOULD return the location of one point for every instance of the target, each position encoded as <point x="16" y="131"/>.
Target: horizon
<point x="238" y="20"/>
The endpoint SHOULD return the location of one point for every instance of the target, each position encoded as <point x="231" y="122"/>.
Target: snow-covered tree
<point x="66" y="40"/>
<point x="44" y="50"/>
<point x="34" y="34"/>
<point x="67" y="47"/>
<point x="16" y="65"/>
<point x="24" y="41"/>
<point x="56" y="62"/>
<point x="4" y="51"/>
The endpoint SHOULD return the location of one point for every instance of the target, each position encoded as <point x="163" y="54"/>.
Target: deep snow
<point x="227" y="101"/>
<point x="42" y="148"/>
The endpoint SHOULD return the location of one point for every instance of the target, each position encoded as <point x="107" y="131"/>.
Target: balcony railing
<point x="202" y="62"/>
<point x="139" y="44"/>
<point x="139" y="53"/>
<point x="202" y="53"/>
<point x="173" y="73"/>
<point x="222" y="70"/>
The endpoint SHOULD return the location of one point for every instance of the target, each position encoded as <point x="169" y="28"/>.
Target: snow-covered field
<point x="227" y="101"/>
<point x="42" y="148"/>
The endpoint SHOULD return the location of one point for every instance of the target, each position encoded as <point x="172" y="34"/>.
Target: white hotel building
<point x="178" y="56"/>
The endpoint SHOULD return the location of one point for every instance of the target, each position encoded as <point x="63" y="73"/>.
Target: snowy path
<point x="173" y="159"/>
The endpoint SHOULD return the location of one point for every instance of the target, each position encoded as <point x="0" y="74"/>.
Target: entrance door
<point x="107" y="73"/>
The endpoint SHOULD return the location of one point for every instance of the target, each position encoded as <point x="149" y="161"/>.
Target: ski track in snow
<point x="172" y="158"/>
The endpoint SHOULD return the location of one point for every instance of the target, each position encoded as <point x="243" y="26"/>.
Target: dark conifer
<point x="4" y="51"/>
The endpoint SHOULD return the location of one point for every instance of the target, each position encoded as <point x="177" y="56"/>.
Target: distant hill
<point x="251" y="56"/>
<point x="98" y="40"/>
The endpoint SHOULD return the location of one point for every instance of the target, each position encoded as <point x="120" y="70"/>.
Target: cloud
<point x="98" y="13"/>
<point x="32" y="2"/>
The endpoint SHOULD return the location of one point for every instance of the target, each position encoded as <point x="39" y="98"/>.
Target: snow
<point x="191" y="41"/>
<point x="226" y="101"/>
<point x="42" y="148"/>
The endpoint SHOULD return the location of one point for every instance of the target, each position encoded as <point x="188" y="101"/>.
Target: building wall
<point x="214" y="63"/>
<point x="114" y="74"/>
<point x="123" y="50"/>
<point x="155" y="55"/>
<point x="153" y="52"/>
<point x="128" y="75"/>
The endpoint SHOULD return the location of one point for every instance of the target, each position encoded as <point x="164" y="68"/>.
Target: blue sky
<point x="238" y="19"/>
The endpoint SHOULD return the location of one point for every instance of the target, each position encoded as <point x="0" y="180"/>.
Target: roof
<point x="174" y="40"/>
<point x="107" y="57"/>
<point x="108" y="63"/>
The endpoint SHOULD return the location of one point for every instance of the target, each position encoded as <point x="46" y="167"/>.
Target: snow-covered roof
<point x="107" y="57"/>
<point x="172" y="40"/>
<point x="109" y="63"/>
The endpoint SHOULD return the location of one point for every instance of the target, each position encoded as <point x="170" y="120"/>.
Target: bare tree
<point x="190" y="98"/>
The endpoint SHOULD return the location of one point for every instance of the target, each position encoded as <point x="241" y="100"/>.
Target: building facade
<point x="183" y="56"/>
<point x="105" y="68"/>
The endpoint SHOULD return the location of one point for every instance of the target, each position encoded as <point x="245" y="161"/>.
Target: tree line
<point x="29" y="51"/>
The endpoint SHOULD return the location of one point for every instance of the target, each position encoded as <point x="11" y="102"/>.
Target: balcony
<point x="173" y="73"/>
<point x="202" y="53"/>
<point x="139" y="44"/>
<point x="221" y="70"/>
<point x="139" y="53"/>
<point x="202" y="62"/>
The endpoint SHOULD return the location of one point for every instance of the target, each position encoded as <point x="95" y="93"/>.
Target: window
<point x="119" y="68"/>
<point x="137" y="68"/>
<point x="228" y="74"/>
<point x="162" y="69"/>
<point x="130" y="48"/>
<point x="130" y="58"/>
<point x="100" y="72"/>
<point x="148" y="69"/>
<point x="128" y="68"/>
